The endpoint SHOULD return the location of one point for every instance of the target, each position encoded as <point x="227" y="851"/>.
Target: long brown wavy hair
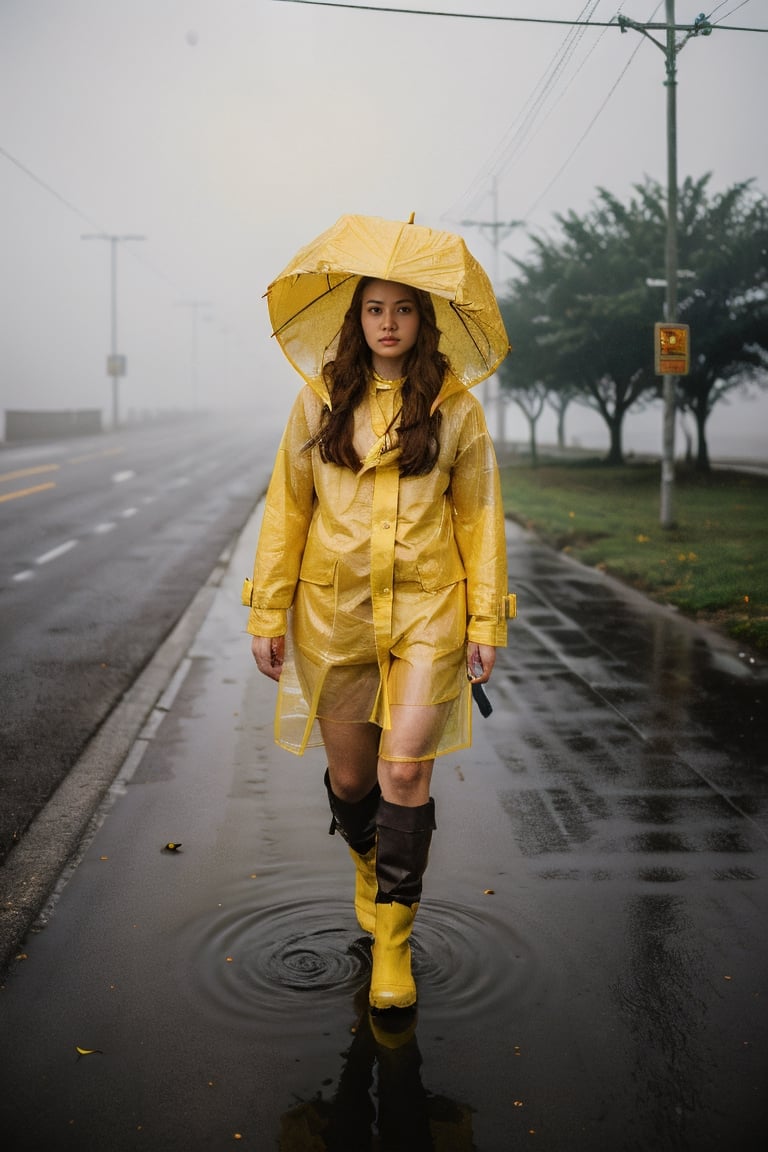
<point x="347" y="378"/>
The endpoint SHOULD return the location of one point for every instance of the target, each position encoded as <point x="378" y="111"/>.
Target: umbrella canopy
<point x="308" y="300"/>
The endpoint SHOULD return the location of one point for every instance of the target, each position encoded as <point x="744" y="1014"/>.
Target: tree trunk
<point x="687" y="433"/>
<point x="702" y="449"/>
<point x="616" y="450"/>
<point x="561" y="425"/>
<point x="532" y="442"/>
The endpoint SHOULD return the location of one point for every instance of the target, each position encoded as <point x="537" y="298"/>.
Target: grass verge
<point x="713" y="565"/>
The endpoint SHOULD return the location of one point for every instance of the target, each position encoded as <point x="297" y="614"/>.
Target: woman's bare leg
<point x="407" y="758"/>
<point x="352" y="751"/>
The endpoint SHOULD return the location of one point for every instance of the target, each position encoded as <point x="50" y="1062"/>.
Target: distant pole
<point x="495" y="227"/>
<point x="670" y="48"/>
<point x="113" y="331"/>
<point x="666" y="511"/>
<point x="194" y="363"/>
<point x="115" y="363"/>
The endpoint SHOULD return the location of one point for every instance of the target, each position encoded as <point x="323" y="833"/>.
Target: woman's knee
<point x="405" y="781"/>
<point x="352" y="751"/>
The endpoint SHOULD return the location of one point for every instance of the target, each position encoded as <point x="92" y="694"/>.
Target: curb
<point x="30" y="872"/>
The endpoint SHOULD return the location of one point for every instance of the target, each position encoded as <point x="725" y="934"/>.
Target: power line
<point x="507" y="19"/>
<point x="743" y="2"/>
<point x="428" y="12"/>
<point x="505" y="154"/>
<point x="68" y="204"/>
<point x="717" y="8"/>
<point x="537" y="102"/>
<point x="52" y="191"/>
<point x="584" y="134"/>
<point x="517" y="134"/>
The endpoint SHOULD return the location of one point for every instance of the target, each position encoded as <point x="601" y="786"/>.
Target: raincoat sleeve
<point x="288" y="512"/>
<point x="478" y="523"/>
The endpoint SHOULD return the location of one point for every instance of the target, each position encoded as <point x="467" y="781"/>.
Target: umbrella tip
<point x="412" y="217"/>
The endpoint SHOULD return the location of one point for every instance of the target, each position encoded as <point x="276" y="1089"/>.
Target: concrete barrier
<point x="37" y="425"/>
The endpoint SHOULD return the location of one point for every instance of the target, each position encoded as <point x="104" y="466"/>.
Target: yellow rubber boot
<point x="392" y="984"/>
<point x="366" y="886"/>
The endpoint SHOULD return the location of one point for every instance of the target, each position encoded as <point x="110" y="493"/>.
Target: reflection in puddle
<point x="661" y="998"/>
<point x="381" y="1101"/>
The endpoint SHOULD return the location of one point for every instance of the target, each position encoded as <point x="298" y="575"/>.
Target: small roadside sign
<point x="671" y="346"/>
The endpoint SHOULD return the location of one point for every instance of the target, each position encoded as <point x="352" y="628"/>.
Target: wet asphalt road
<point x="590" y="951"/>
<point x="104" y="541"/>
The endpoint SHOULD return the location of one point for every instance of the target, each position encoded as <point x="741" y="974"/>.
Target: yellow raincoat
<point x="371" y="566"/>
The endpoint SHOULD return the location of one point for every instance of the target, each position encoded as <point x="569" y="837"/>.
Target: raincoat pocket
<point x="435" y="573"/>
<point x="318" y="568"/>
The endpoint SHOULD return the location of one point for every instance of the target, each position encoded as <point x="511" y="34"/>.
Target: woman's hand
<point x="269" y="652"/>
<point x="480" y="661"/>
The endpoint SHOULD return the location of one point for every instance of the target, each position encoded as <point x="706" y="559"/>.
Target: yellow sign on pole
<point x="672" y="349"/>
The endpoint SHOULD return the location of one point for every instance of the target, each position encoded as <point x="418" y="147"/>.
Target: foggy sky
<point x="230" y="132"/>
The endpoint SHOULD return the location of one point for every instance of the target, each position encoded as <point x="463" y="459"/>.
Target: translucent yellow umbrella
<point x="308" y="300"/>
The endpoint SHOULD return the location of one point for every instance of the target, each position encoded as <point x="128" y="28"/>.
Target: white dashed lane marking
<point x="98" y="529"/>
<point x="56" y="552"/>
<point x="53" y="554"/>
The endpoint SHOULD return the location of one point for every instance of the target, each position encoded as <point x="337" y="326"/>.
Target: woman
<point x="383" y="531"/>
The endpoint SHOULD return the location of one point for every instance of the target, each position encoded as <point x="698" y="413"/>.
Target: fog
<point x="229" y="133"/>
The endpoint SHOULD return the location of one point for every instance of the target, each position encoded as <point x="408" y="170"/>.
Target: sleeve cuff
<point x="481" y="630"/>
<point x="267" y="622"/>
<point x="493" y="630"/>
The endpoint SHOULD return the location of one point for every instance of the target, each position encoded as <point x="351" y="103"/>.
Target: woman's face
<point x="390" y="321"/>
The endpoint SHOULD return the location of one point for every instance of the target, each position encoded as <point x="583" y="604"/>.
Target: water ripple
<point x="251" y="963"/>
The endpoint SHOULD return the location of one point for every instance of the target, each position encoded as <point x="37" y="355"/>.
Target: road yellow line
<point x="17" y="475"/>
<point x="26" y="492"/>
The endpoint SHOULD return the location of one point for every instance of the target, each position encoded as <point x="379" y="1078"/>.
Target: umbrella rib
<point x="311" y="303"/>
<point x="459" y="313"/>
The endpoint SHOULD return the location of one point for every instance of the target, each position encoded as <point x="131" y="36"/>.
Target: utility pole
<point x="495" y="227"/>
<point x="670" y="47"/>
<point x="194" y="364"/>
<point x="116" y="364"/>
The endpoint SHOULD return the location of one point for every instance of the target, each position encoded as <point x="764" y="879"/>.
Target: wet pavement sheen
<point x="590" y="950"/>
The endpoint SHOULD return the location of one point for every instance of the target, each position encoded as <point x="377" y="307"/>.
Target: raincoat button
<point x="386" y="524"/>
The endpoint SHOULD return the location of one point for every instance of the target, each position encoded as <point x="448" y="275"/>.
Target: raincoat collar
<point x="451" y="385"/>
